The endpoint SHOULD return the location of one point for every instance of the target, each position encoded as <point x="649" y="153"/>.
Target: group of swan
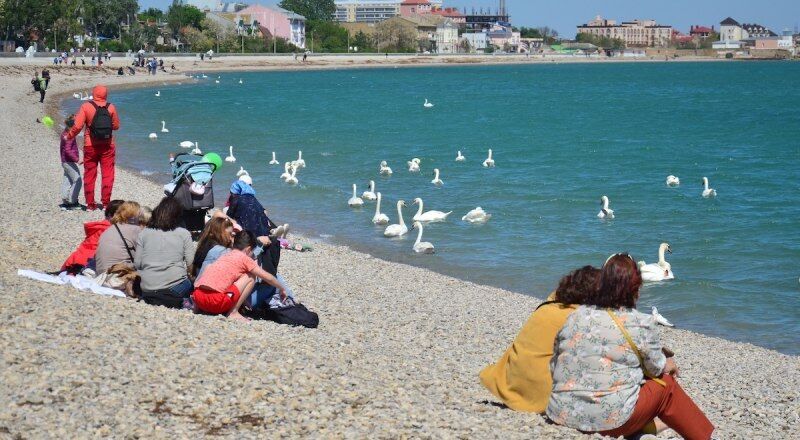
<point x="290" y="168"/>
<point x="154" y="136"/>
<point x="674" y="181"/>
<point x="83" y="96"/>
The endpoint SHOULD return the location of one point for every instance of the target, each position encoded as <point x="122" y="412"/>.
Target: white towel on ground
<point x="79" y="282"/>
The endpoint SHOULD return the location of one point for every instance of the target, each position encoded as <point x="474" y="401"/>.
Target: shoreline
<point x="398" y="350"/>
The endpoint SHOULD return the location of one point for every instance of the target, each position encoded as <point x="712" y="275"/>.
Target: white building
<point x="734" y="35"/>
<point x="478" y="41"/>
<point x="640" y="33"/>
<point x="447" y="37"/>
<point x="369" y="11"/>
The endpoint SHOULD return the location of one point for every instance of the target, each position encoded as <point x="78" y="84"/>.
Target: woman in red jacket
<point x="93" y="231"/>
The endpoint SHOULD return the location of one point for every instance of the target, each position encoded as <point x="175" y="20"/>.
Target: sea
<point x="563" y="135"/>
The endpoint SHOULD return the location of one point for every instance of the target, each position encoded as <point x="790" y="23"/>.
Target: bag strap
<point x="634" y="347"/>
<point x="124" y="242"/>
<point x="547" y="303"/>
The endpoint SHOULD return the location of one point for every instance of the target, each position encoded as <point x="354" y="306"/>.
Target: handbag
<point x="294" y="315"/>
<point x="635" y="348"/>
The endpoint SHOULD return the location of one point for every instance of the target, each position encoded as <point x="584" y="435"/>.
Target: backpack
<point x="101" y="127"/>
<point x="36" y="85"/>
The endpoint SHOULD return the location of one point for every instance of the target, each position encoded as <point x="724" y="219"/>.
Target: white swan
<point x="673" y="181"/>
<point x="86" y="96"/>
<point x="230" y="157"/>
<point x="385" y="170"/>
<point x="299" y="163"/>
<point x="397" y="230"/>
<point x="242" y="172"/>
<point x="164" y="127"/>
<point x="240" y="81"/>
<point x="216" y="81"/>
<point x="421" y="247"/>
<point x="436" y="180"/>
<point x="370" y="193"/>
<point x="708" y="192"/>
<point x="77" y="95"/>
<point x="660" y="318"/>
<point x="460" y="157"/>
<point x="657" y="271"/>
<point x="286" y="171"/>
<point x="427" y="104"/>
<point x="477" y="215"/>
<point x="187" y="144"/>
<point x="430" y="216"/>
<point x="489" y="162"/>
<point x="379" y="218"/>
<point x="605" y="212"/>
<point x="413" y="165"/>
<point x="152" y="136"/>
<point x="196" y="149"/>
<point x="292" y="179"/>
<point x="355" y="201"/>
<point x="274" y="161"/>
<point x="158" y="93"/>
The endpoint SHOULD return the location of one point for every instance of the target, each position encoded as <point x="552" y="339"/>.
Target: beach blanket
<point x="80" y="282"/>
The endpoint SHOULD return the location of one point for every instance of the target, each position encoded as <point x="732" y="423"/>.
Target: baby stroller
<point x="192" y="186"/>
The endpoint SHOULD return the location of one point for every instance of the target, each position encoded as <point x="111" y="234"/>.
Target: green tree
<point x="152" y="14"/>
<point x="104" y="18"/>
<point x="319" y="10"/>
<point x="327" y="36"/>
<point x="180" y="15"/>
<point x="362" y="42"/>
<point x="601" y="41"/>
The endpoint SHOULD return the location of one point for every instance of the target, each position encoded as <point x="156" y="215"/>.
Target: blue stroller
<point x="192" y="186"/>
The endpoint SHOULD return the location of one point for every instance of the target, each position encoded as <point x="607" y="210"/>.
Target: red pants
<point x="92" y="156"/>
<point x="670" y="404"/>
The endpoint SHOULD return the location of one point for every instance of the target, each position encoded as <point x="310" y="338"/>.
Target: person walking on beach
<point x="100" y="119"/>
<point x="39" y="85"/>
<point x="70" y="159"/>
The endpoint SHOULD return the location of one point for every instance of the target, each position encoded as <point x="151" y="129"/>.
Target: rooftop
<point x="729" y="22"/>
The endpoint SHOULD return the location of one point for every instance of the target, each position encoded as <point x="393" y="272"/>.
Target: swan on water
<point x="216" y="81"/>
<point x="385" y="170"/>
<point x="460" y="157"/>
<point x="477" y="215"/>
<point x="489" y="162"/>
<point x="430" y="216"/>
<point x="413" y="165"/>
<point x="164" y="127"/>
<point x="187" y="144"/>
<point x="660" y="318"/>
<point x="673" y="181"/>
<point x="370" y="193"/>
<point x="76" y="95"/>
<point x="397" y="230"/>
<point x="436" y="180"/>
<point x="158" y="93"/>
<point x="355" y="201"/>
<point x="657" y="271"/>
<point x="274" y="161"/>
<point x="379" y="218"/>
<point x="292" y="179"/>
<point x="240" y="81"/>
<point x="605" y="211"/>
<point x="242" y="172"/>
<point x="196" y="149"/>
<point x="421" y="247"/>
<point x="427" y="104"/>
<point x="299" y="163"/>
<point x="86" y="96"/>
<point x="152" y="136"/>
<point x="708" y="192"/>
<point x="230" y="157"/>
<point x="286" y="171"/>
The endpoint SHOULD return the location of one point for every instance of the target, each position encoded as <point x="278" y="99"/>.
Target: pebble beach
<point x="397" y="353"/>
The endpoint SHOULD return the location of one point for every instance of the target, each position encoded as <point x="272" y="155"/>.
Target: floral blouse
<point x="596" y="374"/>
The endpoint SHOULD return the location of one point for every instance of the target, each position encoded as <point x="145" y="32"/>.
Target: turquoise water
<point x="563" y="135"/>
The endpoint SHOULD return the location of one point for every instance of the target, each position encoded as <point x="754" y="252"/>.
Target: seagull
<point x="660" y="319"/>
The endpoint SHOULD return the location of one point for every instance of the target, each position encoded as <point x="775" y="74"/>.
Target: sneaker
<point x="70" y="206"/>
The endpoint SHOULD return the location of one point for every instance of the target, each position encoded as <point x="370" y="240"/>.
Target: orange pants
<point x="670" y="404"/>
<point x="94" y="155"/>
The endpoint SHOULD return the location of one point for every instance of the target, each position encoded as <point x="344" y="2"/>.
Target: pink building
<point x="411" y="7"/>
<point x="272" y="20"/>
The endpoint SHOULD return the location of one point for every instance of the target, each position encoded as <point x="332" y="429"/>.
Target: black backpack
<point x="36" y="85"/>
<point x="101" y="127"/>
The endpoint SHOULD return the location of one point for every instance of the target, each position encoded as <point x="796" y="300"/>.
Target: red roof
<point x="701" y="30"/>
<point x="447" y="12"/>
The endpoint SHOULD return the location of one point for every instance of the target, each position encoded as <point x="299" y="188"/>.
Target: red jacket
<point x="85" y="115"/>
<point x="88" y="247"/>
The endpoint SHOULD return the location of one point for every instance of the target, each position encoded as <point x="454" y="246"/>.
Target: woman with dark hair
<point x="216" y="238"/>
<point x="164" y="251"/>
<point x="610" y="374"/>
<point x="521" y="378"/>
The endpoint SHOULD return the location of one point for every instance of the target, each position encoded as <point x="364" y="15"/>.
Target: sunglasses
<point x="619" y="254"/>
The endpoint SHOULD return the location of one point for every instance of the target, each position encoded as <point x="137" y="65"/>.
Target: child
<point x="224" y="286"/>
<point x="70" y="159"/>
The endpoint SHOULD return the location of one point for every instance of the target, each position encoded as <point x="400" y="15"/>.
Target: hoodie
<point x="85" y="115"/>
<point x="88" y="247"/>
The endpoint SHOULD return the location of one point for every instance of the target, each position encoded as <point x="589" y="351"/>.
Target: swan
<point x="657" y="271"/>
<point x="164" y="127"/>
<point x="430" y="216"/>
<point x="370" y="194"/>
<point x="477" y="215"/>
<point x="708" y="192"/>
<point x="230" y="157"/>
<point x="196" y="149"/>
<point x="421" y="247"/>
<point x="379" y="218"/>
<point x="436" y="180"/>
<point x="292" y="179"/>
<point x="187" y="144"/>
<point x="605" y="212"/>
<point x="385" y="170"/>
<point x="299" y="163"/>
<point x="158" y="93"/>
<point x="673" y="181"/>
<point x="86" y="97"/>
<point x="355" y="201"/>
<point x="152" y="136"/>
<point x="216" y="81"/>
<point x="77" y="95"/>
<point x="427" y="104"/>
<point x="242" y="172"/>
<point x="274" y="161"/>
<point x="460" y="157"/>
<point x="661" y="319"/>
<point x="413" y="165"/>
<point x="397" y="230"/>
<point x="489" y="162"/>
<point x="240" y="81"/>
<point x="286" y="174"/>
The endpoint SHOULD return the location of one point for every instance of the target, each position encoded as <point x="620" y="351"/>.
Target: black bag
<point x="163" y="297"/>
<point x="102" y="125"/>
<point x="36" y="85"/>
<point x="295" y="315"/>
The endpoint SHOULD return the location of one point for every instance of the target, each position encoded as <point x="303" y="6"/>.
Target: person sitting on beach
<point x="521" y="378"/>
<point x="79" y="259"/>
<point x="226" y="284"/>
<point x="164" y="251"/>
<point x="216" y="238"/>
<point x="245" y="210"/>
<point x="610" y="373"/>
<point x="118" y="243"/>
<point x="70" y="159"/>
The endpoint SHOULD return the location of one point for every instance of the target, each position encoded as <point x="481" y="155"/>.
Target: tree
<point x="465" y="46"/>
<point x="328" y="36"/>
<point x="362" y="42"/>
<point x="180" y="15"/>
<point x="318" y="10"/>
<point x="601" y="41"/>
<point x="395" y="36"/>
<point x="197" y="41"/>
<point x="104" y="17"/>
<point x="152" y="14"/>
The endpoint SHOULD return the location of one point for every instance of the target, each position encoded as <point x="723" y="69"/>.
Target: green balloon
<point x="213" y="158"/>
<point x="48" y="121"/>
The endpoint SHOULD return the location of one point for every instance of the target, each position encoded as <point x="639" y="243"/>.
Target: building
<point x="371" y="11"/>
<point x="701" y="32"/>
<point x="435" y="34"/>
<point x="639" y="33"/>
<point x="783" y="42"/>
<point x="411" y="7"/>
<point x="275" y="21"/>
<point x="733" y="35"/>
<point x="451" y="13"/>
<point x="477" y="20"/>
<point x="478" y="41"/>
<point x="447" y="36"/>
<point x="503" y="37"/>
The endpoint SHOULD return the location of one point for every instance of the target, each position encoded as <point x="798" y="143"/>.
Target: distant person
<point x="118" y="243"/>
<point x="46" y="76"/>
<point x="120" y="71"/>
<point x="305" y="56"/>
<point x="93" y="60"/>
<point x="39" y="85"/>
<point x="70" y="159"/>
<point x="100" y="119"/>
<point x="83" y="60"/>
<point x="202" y="56"/>
<point x="81" y="257"/>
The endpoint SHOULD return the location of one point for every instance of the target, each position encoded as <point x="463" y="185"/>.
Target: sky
<point x="564" y="15"/>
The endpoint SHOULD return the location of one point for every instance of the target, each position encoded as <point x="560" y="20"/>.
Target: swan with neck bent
<point x="355" y="201"/>
<point x="421" y="247"/>
<point x="230" y="157"/>
<point x="430" y="216"/>
<point x="673" y="180"/>
<point x="657" y="271"/>
<point x="370" y="193"/>
<point x="385" y="170"/>
<point x="436" y="180"/>
<point x="397" y="230"/>
<point x="274" y="161"/>
<point x="413" y="165"/>
<point x="708" y="192"/>
<point x="164" y="127"/>
<point x="152" y="136"/>
<point x="292" y="179"/>
<point x="605" y="211"/>
<point x="380" y="218"/>
<point x="187" y="144"/>
<point x="287" y="167"/>
<point x="476" y="216"/>
<point x="489" y="162"/>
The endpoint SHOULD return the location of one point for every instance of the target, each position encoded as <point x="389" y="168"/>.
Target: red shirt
<point x="225" y="271"/>
<point x="85" y="115"/>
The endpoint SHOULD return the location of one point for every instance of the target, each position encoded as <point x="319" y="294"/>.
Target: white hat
<point x="246" y="179"/>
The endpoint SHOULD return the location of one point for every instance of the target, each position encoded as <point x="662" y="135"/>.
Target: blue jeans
<point x="264" y="292"/>
<point x="182" y="289"/>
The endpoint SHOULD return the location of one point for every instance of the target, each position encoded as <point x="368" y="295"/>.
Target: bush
<point x="113" y="46"/>
<point x="728" y="55"/>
